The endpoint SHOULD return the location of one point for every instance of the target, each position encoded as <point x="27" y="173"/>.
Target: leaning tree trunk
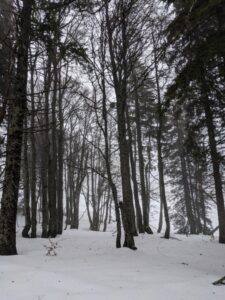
<point x="215" y="158"/>
<point x="17" y="110"/>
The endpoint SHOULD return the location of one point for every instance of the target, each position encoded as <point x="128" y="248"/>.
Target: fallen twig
<point x="221" y="281"/>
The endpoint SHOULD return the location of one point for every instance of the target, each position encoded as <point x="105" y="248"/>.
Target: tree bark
<point x="134" y="176"/>
<point x="26" y="184"/>
<point x="60" y="166"/>
<point x="120" y="85"/>
<point x="45" y="152"/>
<point x="145" y="209"/>
<point x="52" y="175"/>
<point x="214" y="157"/>
<point x="187" y="195"/>
<point x="17" y="110"/>
<point x="33" y="161"/>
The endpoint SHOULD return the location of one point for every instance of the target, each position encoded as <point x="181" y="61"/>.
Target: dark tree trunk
<point x="128" y="209"/>
<point x="60" y="167"/>
<point x="134" y="176"/>
<point x="120" y="86"/>
<point x="145" y="209"/>
<point x="202" y="200"/>
<point x="187" y="195"/>
<point x="17" y="110"/>
<point x="26" y="184"/>
<point x="45" y="153"/>
<point x="162" y="189"/>
<point x="52" y="175"/>
<point x="160" y="217"/>
<point x="215" y="158"/>
<point x="107" y="138"/>
<point x="87" y="201"/>
<point x="67" y="189"/>
<point x="33" y="162"/>
<point x="163" y="201"/>
<point x="148" y="174"/>
<point x="107" y="201"/>
<point x="44" y="190"/>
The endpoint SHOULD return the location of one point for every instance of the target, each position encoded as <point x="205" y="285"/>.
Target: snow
<point x="88" y="266"/>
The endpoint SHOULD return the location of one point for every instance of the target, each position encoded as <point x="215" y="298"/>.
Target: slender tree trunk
<point x="60" y="167"/>
<point x="87" y="201"/>
<point x="141" y="162"/>
<point x="26" y="183"/>
<point x="134" y="176"/>
<point x="162" y="189"/>
<point x="193" y="197"/>
<point x="163" y="201"/>
<point x="52" y="179"/>
<point x="45" y="153"/>
<point x="160" y="216"/>
<point x="107" y="139"/>
<point x="187" y="195"/>
<point x="148" y="174"/>
<point x="107" y="201"/>
<point x="202" y="200"/>
<point x="33" y="162"/>
<point x="197" y="200"/>
<point x="67" y="189"/>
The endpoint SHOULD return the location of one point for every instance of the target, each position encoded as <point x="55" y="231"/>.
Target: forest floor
<point x="87" y="266"/>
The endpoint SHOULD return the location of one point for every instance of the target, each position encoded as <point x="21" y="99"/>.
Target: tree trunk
<point x="215" y="159"/>
<point x="26" y="184"/>
<point x="202" y="200"/>
<point x="45" y="153"/>
<point x="60" y="167"/>
<point x="52" y="175"/>
<point x="163" y="201"/>
<point x="120" y="87"/>
<point x="107" y="201"/>
<point x="134" y="176"/>
<point x="107" y="139"/>
<point x="17" y="110"/>
<point x="141" y="162"/>
<point x="187" y="195"/>
<point x="33" y="162"/>
<point x="160" y="216"/>
<point x="162" y="187"/>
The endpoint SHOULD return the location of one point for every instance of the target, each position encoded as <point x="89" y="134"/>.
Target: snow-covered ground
<point x="88" y="266"/>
